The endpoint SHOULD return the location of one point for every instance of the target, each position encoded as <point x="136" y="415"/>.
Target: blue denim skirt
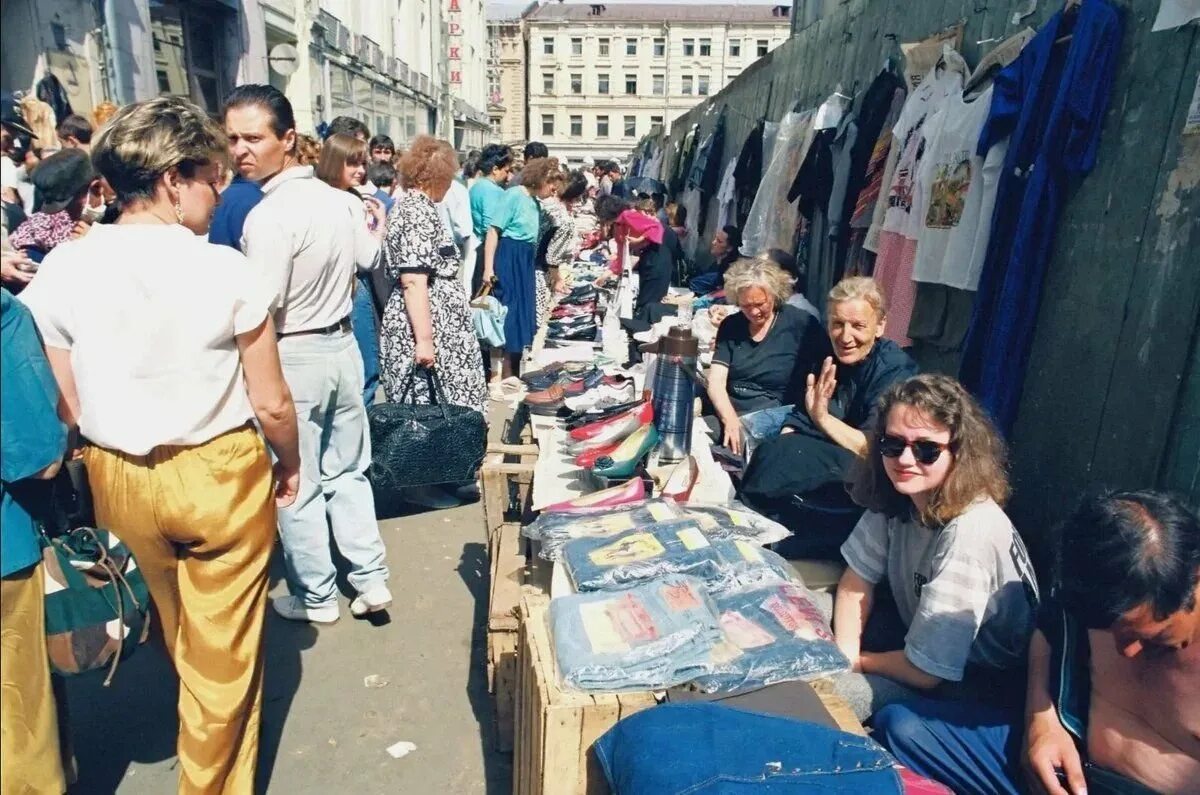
<point x="515" y="289"/>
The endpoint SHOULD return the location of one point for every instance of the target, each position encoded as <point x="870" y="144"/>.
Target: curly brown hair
<point x="979" y="468"/>
<point x="538" y="172"/>
<point x="429" y="163"/>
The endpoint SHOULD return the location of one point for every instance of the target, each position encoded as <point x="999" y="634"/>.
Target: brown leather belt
<point x="341" y="325"/>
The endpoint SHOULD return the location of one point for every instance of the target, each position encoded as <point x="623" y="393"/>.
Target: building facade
<point x="600" y="77"/>
<point x="506" y="73"/>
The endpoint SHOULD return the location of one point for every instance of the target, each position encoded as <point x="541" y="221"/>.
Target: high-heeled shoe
<point x="622" y="462"/>
<point x="588" y="457"/>
<point x="577" y="419"/>
<point x="676" y="480"/>
<point x="613" y="429"/>
<point x="624" y="494"/>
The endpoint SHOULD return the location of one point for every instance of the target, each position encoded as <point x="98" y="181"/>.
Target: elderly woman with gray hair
<point x="764" y="352"/>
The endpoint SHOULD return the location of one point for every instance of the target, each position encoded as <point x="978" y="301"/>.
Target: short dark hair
<point x="383" y="175"/>
<point x="576" y="186"/>
<point x="735" y="237"/>
<point x="609" y="207"/>
<point x="536" y="149"/>
<point x="471" y="163"/>
<point x="660" y="200"/>
<point x="494" y="156"/>
<point x="381" y="142"/>
<point x="77" y="127"/>
<point x="264" y="96"/>
<point x="1124" y="549"/>
<point x="784" y="260"/>
<point x="348" y="125"/>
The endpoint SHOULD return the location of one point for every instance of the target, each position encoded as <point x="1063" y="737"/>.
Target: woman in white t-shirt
<point x="164" y="351"/>
<point x="933" y="483"/>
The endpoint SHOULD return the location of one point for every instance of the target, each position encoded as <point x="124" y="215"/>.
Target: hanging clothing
<point x="873" y="114"/>
<point x="727" y="197"/>
<point x="706" y="168"/>
<point x="1052" y="101"/>
<point x="868" y="197"/>
<point x="683" y="163"/>
<point x="941" y="316"/>
<point x="747" y="172"/>
<point x="772" y="220"/>
<point x="51" y="91"/>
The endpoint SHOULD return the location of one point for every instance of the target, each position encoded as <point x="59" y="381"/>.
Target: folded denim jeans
<point x="651" y="637"/>
<point x="771" y="634"/>
<point x="556" y="529"/>
<point x="698" y="749"/>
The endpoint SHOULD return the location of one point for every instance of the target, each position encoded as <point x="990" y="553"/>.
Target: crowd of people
<point x="262" y="288"/>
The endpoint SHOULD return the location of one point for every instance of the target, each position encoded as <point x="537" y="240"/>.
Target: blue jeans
<point x="968" y="746"/>
<point x="324" y="372"/>
<point x="758" y="426"/>
<point x="362" y="318"/>
<point x="675" y="749"/>
<point x="651" y="637"/>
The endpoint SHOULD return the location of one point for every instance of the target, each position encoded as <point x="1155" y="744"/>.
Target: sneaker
<point x="371" y="601"/>
<point x="430" y="497"/>
<point x="605" y="394"/>
<point x="293" y="609"/>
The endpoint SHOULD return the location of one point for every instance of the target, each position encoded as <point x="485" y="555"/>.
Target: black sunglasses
<point x="924" y="450"/>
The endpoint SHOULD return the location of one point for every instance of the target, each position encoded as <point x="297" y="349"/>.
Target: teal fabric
<point x="486" y="197"/>
<point x="31" y="435"/>
<point x="517" y="217"/>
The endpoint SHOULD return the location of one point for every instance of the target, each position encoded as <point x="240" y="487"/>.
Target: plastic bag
<point x="556" y="529"/>
<point x="771" y="634"/>
<point x="772" y="219"/>
<point x="736" y="521"/>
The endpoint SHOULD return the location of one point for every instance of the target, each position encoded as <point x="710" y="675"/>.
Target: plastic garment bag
<point x="772" y="220"/>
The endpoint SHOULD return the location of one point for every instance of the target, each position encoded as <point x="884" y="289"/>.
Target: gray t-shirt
<point x="966" y="592"/>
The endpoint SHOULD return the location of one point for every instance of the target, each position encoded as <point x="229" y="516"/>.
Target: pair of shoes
<point x="608" y="392"/>
<point x="372" y="601"/>
<point x="585" y="332"/>
<point x="549" y="401"/>
<point x="433" y="497"/>
<point x="623" y="461"/>
<point x="624" y="494"/>
<point x="577" y="419"/>
<point x="610" y="428"/>
<point x="293" y="609"/>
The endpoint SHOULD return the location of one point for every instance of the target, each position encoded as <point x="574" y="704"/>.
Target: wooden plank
<point x="508" y="563"/>
<point x="493" y="494"/>
<point x="502" y="651"/>
<point x="837" y="707"/>
<point x="512" y="449"/>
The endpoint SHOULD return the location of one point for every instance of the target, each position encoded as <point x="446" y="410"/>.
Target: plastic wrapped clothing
<point x="772" y="634"/>
<point x="651" y="637"/>
<point x="772" y="220"/>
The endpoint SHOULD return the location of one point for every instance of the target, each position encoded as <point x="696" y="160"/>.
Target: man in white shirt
<point x="302" y="235"/>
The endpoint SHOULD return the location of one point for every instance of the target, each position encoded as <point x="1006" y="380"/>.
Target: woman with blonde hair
<point x="427" y="322"/>
<point x="934" y="484"/>
<point x="763" y="352"/>
<point x="343" y="165"/>
<point x="165" y="357"/>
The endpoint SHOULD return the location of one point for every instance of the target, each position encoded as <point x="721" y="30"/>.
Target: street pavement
<point x="324" y="730"/>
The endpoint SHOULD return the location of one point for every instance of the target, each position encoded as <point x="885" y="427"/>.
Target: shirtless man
<point x="1113" y="695"/>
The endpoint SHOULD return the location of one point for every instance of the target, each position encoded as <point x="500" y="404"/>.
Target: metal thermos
<point x="673" y="391"/>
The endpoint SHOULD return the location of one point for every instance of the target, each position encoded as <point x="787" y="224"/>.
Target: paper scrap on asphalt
<point x="401" y="749"/>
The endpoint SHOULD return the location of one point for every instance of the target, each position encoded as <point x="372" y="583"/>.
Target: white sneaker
<point x="293" y="609"/>
<point x="371" y="601"/>
<point x="605" y="394"/>
<point x="431" y="497"/>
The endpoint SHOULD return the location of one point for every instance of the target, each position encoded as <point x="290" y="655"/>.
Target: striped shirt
<point x="966" y="592"/>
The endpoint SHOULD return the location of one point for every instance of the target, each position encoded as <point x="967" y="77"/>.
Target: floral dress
<point x="418" y="242"/>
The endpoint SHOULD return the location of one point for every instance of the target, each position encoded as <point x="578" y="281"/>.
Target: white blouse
<point x="150" y="315"/>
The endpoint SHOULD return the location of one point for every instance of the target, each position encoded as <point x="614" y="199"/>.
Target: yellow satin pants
<point x="29" y="745"/>
<point x="201" y="523"/>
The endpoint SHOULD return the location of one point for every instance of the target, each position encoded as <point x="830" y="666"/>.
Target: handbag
<point x="96" y="599"/>
<point x="487" y="316"/>
<point x="424" y="444"/>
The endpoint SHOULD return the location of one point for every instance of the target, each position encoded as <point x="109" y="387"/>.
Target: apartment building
<point x="600" y="77"/>
<point x="506" y="72"/>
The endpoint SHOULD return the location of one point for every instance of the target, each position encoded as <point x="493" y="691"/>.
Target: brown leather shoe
<point x="546" y="402"/>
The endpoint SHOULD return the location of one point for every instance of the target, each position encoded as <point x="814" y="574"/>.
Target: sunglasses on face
<point x="924" y="451"/>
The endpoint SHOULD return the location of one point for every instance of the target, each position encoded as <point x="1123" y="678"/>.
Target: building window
<point x="547" y="82"/>
<point x="687" y="85"/>
<point x="576" y="83"/>
<point x="630" y="84"/>
<point x="631" y="126"/>
<point x="659" y="84"/>
<point x="656" y="121"/>
<point x="547" y="45"/>
<point x="735" y="48"/>
<point x="689" y="46"/>
<point x="702" y="85"/>
<point x="547" y="124"/>
<point x="576" y="126"/>
<point x="602" y="84"/>
<point x="763" y="46"/>
<point x="731" y="75"/>
<point x="705" y="48"/>
<point x="601" y="126"/>
<point x="577" y="46"/>
<point x="495" y="123"/>
<point x="660" y="48"/>
<point x="631" y="46"/>
<point x="603" y="44"/>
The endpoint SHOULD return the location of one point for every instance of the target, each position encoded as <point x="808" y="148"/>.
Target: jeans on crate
<point x="646" y="638"/>
<point x="324" y="372"/>
<point x="674" y="749"/>
<point x="758" y="426"/>
<point x="366" y="335"/>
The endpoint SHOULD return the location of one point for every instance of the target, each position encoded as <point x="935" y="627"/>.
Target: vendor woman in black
<point x="826" y="434"/>
<point x="764" y="351"/>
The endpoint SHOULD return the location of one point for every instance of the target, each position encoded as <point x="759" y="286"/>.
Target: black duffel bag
<point x="424" y="444"/>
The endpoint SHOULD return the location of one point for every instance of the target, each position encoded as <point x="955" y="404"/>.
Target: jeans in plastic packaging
<point x="651" y="637"/>
<point x="771" y="634"/>
<point x="758" y="426"/>
<point x="556" y="529"/>
<point x="736" y="521"/>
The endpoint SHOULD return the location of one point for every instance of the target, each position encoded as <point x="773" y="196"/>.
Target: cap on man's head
<point x="11" y="117"/>
<point x="60" y="178"/>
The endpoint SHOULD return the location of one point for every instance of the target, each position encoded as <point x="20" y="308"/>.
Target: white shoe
<point x="431" y="497"/>
<point x="371" y="601"/>
<point x="605" y="394"/>
<point x="293" y="609"/>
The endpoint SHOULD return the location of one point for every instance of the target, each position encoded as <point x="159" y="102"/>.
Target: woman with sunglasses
<point x="963" y="589"/>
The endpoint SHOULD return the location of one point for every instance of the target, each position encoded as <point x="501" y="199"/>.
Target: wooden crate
<point x="555" y="728"/>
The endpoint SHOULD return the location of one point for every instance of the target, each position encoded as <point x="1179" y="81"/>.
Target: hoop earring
<point x="178" y="210"/>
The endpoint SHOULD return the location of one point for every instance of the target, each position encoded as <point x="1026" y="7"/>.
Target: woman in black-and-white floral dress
<point x="427" y="320"/>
